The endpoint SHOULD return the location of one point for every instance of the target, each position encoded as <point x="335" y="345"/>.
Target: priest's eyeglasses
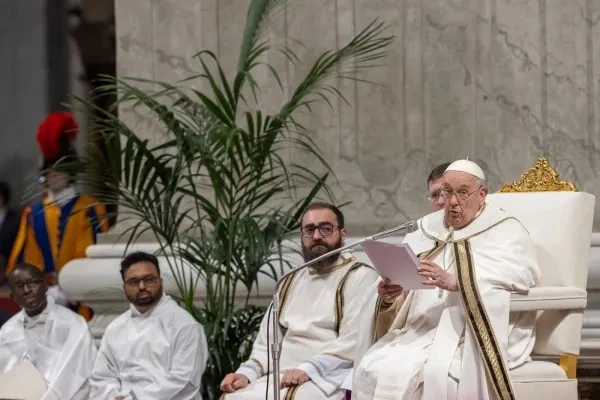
<point x="434" y="195"/>
<point x="325" y="229"/>
<point x="149" y="281"/>
<point x="461" y="194"/>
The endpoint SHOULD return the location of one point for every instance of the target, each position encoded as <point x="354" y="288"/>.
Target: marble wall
<point x="25" y="100"/>
<point x="500" y="81"/>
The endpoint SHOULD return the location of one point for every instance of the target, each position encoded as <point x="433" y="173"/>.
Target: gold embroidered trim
<point x="339" y="297"/>
<point x="284" y="291"/>
<point x="339" y="356"/>
<point x="378" y="310"/>
<point x="490" y="227"/>
<point x="473" y="235"/>
<point x="479" y="322"/>
<point x="430" y="236"/>
<point x="331" y="268"/>
<point x="291" y="393"/>
<point x="262" y="370"/>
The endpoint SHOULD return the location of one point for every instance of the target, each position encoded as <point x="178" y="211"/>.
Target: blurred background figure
<point x="58" y="228"/>
<point x="9" y="225"/>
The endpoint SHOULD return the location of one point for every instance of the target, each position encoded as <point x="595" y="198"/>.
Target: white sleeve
<point x="329" y="369"/>
<point x="256" y="365"/>
<point x="74" y="366"/>
<point x="104" y="382"/>
<point x="188" y="362"/>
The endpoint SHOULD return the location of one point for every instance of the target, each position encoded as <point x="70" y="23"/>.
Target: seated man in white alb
<point x="53" y="338"/>
<point x="319" y="308"/>
<point x="459" y="340"/>
<point x="155" y="350"/>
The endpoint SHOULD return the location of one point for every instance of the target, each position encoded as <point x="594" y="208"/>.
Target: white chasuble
<point x="319" y="312"/>
<point x="160" y="354"/>
<point x="457" y="345"/>
<point x="58" y="343"/>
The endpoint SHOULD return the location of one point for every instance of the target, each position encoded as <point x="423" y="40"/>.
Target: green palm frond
<point x="216" y="188"/>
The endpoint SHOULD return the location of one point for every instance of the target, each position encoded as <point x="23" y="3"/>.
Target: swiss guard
<point x="58" y="228"/>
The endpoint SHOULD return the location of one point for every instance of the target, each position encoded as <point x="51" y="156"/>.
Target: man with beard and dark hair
<point x="318" y="319"/>
<point x="156" y="350"/>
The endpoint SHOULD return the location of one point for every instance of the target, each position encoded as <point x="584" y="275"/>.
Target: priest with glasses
<point x="319" y="309"/>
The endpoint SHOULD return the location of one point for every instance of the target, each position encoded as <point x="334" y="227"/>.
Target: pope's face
<point x="464" y="197"/>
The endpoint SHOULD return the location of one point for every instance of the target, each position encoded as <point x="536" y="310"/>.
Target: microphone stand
<point x="409" y="226"/>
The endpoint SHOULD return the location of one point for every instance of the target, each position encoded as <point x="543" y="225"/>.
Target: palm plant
<point x="216" y="192"/>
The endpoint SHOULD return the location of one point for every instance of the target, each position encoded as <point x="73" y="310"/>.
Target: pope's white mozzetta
<point x="58" y="343"/>
<point x="318" y="319"/>
<point x="160" y="354"/>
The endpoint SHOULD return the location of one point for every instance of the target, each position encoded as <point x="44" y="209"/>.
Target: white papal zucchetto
<point x="467" y="166"/>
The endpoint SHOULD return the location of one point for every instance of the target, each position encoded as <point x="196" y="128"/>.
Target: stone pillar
<point x="24" y="82"/>
<point x="35" y="77"/>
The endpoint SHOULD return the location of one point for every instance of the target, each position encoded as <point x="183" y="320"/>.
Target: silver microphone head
<point x="412" y="227"/>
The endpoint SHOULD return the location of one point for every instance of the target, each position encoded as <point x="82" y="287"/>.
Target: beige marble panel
<point x="591" y="13"/>
<point x="308" y="39"/>
<point x="347" y="136"/>
<point x="565" y="81"/>
<point x="514" y="89"/>
<point x="177" y="38"/>
<point x="500" y="81"/>
<point x="385" y="159"/>
<point x="135" y="55"/>
<point x="231" y="15"/>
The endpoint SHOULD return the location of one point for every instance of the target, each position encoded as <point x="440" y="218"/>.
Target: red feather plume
<point x="57" y="128"/>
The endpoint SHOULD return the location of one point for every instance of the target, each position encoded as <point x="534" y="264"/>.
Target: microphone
<point x="408" y="227"/>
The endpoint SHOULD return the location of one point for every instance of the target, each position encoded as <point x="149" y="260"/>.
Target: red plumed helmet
<point x="56" y="134"/>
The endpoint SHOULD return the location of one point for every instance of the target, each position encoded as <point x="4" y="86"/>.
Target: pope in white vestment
<point x="457" y="340"/>
<point x="56" y="341"/>
<point x="154" y="351"/>
<point x="319" y="310"/>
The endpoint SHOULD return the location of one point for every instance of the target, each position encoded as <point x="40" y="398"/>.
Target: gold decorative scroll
<point x="541" y="178"/>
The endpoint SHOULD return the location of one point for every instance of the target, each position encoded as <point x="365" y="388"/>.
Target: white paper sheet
<point x="23" y="382"/>
<point x="398" y="263"/>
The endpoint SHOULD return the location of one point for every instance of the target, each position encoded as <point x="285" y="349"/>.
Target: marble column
<point x="24" y="81"/>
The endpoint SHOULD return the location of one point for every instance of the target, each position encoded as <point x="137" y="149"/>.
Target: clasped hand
<point x="437" y="276"/>
<point x="235" y="381"/>
<point x="294" y="377"/>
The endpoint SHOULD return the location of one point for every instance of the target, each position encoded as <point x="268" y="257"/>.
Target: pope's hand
<point x="388" y="292"/>
<point x="120" y="398"/>
<point x="438" y="277"/>
<point x="233" y="382"/>
<point x="294" y="377"/>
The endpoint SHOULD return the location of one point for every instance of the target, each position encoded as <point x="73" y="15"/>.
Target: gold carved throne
<point x="559" y="220"/>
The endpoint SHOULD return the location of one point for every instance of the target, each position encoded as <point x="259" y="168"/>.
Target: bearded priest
<point x="457" y="340"/>
<point x="319" y="309"/>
